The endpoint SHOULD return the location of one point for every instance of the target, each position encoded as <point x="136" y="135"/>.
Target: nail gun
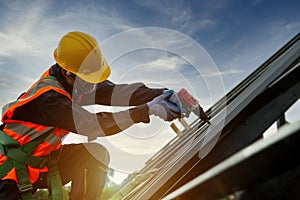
<point x="190" y="104"/>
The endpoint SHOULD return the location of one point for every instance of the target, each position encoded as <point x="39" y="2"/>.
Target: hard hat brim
<point x="98" y="76"/>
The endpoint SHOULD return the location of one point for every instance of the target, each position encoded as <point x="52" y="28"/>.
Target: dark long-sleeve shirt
<point x="54" y="109"/>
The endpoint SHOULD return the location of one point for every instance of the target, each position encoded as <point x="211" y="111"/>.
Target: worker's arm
<point x="109" y="93"/>
<point x="54" y="109"/>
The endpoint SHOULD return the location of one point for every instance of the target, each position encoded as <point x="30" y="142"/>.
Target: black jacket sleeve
<point x="108" y="93"/>
<point x="54" y="109"/>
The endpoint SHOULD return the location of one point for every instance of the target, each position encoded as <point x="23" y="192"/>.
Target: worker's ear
<point x="67" y="76"/>
<point x="63" y="73"/>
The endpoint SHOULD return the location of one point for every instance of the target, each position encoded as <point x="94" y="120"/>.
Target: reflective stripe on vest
<point x="24" y="132"/>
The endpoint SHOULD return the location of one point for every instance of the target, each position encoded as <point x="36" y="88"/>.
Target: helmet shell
<point x="80" y="54"/>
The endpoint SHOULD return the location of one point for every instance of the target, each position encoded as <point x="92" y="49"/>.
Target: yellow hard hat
<point x="80" y="54"/>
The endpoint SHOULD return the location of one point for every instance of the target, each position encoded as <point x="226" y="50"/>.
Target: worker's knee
<point x="98" y="152"/>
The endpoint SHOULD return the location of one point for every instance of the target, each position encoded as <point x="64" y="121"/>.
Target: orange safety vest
<point x="24" y="132"/>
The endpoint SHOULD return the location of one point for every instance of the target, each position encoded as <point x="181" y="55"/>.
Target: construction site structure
<point x="230" y="157"/>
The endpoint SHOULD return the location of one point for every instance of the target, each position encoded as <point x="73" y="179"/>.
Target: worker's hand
<point x="173" y="98"/>
<point x="160" y="107"/>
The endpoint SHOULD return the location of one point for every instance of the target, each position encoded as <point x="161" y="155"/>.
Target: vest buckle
<point x="26" y="187"/>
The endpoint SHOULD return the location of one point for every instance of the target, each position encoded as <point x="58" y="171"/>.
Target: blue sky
<point x="235" y="37"/>
<point x="238" y="35"/>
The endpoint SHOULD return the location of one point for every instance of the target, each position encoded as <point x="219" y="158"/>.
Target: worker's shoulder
<point x="53" y="94"/>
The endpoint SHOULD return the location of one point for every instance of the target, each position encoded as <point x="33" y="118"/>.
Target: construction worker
<point x="31" y="154"/>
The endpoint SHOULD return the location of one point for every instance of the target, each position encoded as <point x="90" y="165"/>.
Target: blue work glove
<point x="160" y="107"/>
<point x="173" y="98"/>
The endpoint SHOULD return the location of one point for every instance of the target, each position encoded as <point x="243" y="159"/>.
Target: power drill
<point x="189" y="104"/>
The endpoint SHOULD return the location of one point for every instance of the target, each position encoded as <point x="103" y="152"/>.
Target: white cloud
<point x="223" y="73"/>
<point x="181" y="16"/>
<point x="175" y="63"/>
<point x="23" y="32"/>
<point x="32" y="30"/>
<point x="11" y="44"/>
<point x="281" y="29"/>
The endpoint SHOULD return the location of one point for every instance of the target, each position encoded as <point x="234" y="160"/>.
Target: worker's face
<point x="80" y="84"/>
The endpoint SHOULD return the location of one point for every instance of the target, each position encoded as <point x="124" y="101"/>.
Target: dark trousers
<point x="83" y="164"/>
